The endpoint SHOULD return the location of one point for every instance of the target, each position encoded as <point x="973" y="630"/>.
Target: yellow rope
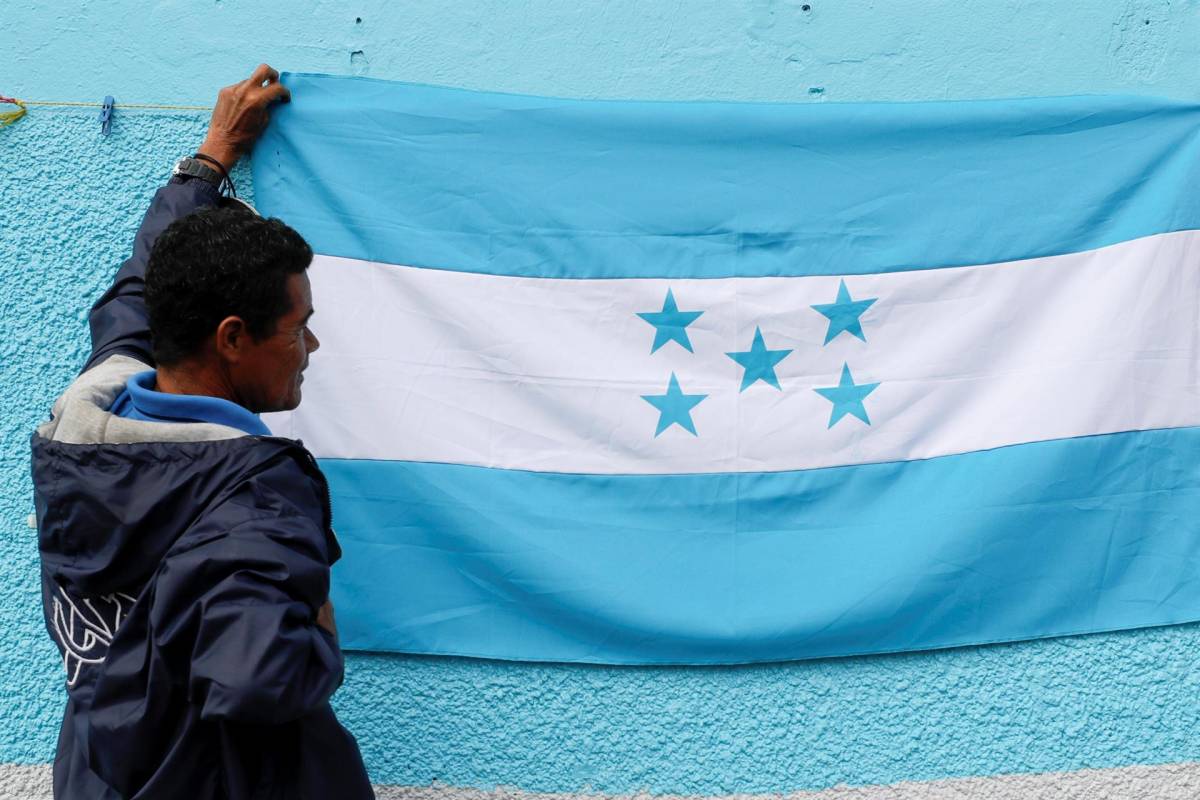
<point x="9" y="117"/>
<point x="69" y="104"/>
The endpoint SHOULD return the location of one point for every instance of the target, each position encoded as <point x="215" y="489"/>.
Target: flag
<point x="684" y="382"/>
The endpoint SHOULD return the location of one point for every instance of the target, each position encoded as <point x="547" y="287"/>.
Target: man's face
<point x="268" y="377"/>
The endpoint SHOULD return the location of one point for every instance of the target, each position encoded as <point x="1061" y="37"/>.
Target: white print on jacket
<point x="85" y="632"/>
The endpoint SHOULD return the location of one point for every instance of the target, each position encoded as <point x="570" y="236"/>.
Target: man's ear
<point x="231" y="340"/>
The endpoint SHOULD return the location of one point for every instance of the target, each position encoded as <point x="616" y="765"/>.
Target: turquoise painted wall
<point x="69" y="203"/>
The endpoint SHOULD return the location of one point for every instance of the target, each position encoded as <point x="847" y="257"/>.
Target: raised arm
<point x="118" y="321"/>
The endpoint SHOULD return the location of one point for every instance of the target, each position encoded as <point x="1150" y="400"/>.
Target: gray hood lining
<point x="81" y="414"/>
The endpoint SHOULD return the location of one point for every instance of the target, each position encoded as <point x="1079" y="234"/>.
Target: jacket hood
<point x="112" y="495"/>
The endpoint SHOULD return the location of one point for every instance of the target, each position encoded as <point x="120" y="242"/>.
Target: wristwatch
<point x="195" y="168"/>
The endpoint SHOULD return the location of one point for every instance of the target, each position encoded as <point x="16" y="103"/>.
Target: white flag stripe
<point x="549" y="374"/>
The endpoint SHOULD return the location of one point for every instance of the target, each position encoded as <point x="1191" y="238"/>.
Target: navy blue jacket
<point x="183" y="565"/>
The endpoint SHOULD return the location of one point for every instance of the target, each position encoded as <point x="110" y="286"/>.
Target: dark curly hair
<point x="218" y="263"/>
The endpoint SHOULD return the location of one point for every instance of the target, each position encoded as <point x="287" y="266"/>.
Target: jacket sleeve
<point x="247" y="594"/>
<point x="118" y="320"/>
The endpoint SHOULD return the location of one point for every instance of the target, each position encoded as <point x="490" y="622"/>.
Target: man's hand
<point x="241" y="115"/>
<point x="325" y="618"/>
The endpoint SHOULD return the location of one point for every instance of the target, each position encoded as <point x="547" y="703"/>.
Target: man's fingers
<point x="272" y="93"/>
<point x="269" y="95"/>
<point x="263" y="73"/>
<point x="240" y="114"/>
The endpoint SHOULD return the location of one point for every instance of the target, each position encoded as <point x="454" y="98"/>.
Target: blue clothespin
<point x="106" y="112"/>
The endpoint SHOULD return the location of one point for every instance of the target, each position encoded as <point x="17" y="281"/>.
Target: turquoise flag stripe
<point x="515" y="185"/>
<point x="1035" y="540"/>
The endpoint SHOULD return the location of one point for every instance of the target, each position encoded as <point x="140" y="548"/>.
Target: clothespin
<point x="106" y="112"/>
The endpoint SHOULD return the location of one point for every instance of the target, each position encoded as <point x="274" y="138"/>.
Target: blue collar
<point x="141" y="401"/>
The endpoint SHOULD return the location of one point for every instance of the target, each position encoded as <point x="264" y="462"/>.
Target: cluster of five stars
<point x="759" y="362"/>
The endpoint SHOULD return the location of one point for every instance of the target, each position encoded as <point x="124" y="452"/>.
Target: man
<point x="186" y="551"/>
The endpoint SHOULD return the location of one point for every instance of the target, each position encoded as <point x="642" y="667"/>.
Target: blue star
<point x="675" y="407"/>
<point x="847" y="398"/>
<point x="844" y="313"/>
<point x="759" y="362"/>
<point x="670" y="324"/>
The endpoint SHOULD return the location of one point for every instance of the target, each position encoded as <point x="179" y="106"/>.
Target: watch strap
<point x="195" y="168"/>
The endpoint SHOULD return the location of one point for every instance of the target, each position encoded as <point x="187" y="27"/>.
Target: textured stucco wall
<point x="70" y="200"/>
